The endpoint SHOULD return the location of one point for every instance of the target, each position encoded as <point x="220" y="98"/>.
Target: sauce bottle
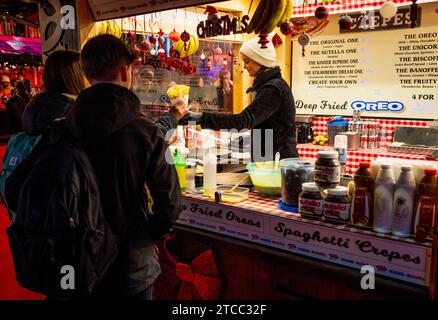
<point x="404" y="200"/>
<point x="383" y="199"/>
<point x="362" y="204"/>
<point x="180" y="164"/>
<point x="210" y="169"/>
<point x="425" y="208"/>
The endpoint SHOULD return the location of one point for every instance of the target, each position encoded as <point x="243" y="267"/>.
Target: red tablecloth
<point x="355" y="157"/>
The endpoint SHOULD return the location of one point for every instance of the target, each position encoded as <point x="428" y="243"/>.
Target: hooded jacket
<point x="43" y="109"/>
<point x="127" y="151"/>
<point x="273" y="108"/>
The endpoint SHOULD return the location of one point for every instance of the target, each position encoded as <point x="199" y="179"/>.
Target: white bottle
<point x="383" y="197"/>
<point x="404" y="202"/>
<point x="210" y="169"/>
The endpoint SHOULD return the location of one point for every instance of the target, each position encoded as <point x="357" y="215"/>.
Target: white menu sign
<point x="383" y="73"/>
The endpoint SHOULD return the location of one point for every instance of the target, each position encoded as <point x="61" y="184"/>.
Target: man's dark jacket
<point x="273" y="108"/>
<point x="126" y="151"/>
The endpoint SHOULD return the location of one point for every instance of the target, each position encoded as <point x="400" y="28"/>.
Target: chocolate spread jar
<point x="327" y="170"/>
<point x="310" y="201"/>
<point x="337" y="205"/>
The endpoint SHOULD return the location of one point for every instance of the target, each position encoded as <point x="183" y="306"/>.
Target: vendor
<point x="272" y="108"/>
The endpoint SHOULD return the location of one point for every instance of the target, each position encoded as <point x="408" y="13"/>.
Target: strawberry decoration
<point x="185" y="36"/>
<point x="174" y="36"/>
<point x="263" y="39"/>
<point x="276" y="40"/>
<point x="145" y="46"/>
<point x="153" y="39"/>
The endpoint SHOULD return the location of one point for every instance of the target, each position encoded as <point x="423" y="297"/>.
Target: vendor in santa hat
<point x="272" y="110"/>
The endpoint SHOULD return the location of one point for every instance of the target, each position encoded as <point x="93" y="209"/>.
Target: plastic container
<point x="383" y="199"/>
<point x="210" y="170"/>
<point x="180" y="164"/>
<point x="265" y="178"/>
<point x="190" y="176"/>
<point x="295" y="172"/>
<point x="362" y="205"/>
<point x="237" y="195"/>
<point x="404" y="202"/>
<point x="425" y="208"/>
<point x="334" y="127"/>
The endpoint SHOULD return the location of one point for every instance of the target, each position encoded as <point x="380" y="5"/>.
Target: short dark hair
<point x="63" y="73"/>
<point x="103" y="56"/>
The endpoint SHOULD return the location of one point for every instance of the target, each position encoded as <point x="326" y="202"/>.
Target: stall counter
<point x="258" y="224"/>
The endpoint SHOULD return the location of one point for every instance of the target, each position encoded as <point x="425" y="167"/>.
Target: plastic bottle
<point x="404" y="201"/>
<point x="425" y="208"/>
<point x="210" y="169"/>
<point x="180" y="164"/>
<point x="341" y="144"/>
<point x="362" y="205"/>
<point x="383" y="199"/>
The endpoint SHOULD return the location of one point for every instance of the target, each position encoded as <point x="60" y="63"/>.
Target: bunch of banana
<point x="178" y="91"/>
<point x="190" y="48"/>
<point x="321" y="140"/>
<point x="110" y="27"/>
<point x="270" y="14"/>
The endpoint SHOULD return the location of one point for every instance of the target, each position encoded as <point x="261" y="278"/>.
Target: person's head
<point x="21" y="88"/>
<point x="224" y="75"/>
<point x="254" y="57"/>
<point x="5" y="81"/>
<point x="63" y="73"/>
<point x="106" y="58"/>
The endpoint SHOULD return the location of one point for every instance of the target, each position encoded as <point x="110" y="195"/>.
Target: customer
<point x="127" y="152"/>
<point x="63" y="80"/>
<point x="224" y="88"/>
<point x="272" y="108"/>
<point x="15" y="107"/>
<point x="5" y="90"/>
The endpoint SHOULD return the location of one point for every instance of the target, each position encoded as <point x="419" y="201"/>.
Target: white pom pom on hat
<point x="265" y="57"/>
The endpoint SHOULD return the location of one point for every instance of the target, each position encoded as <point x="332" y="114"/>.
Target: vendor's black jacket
<point x="127" y="151"/>
<point x="273" y="108"/>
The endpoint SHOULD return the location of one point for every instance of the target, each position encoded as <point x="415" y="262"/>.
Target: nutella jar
<point x="327" y="170"/>
<point x="310" y="201"/>
<point x="337" y="205"/>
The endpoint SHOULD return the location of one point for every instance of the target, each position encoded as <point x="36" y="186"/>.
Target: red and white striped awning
<point x="307" y="7"/>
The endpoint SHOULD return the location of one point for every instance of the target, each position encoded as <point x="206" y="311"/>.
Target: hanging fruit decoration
<point x="388" y="9"/>
<point x="414" y="13"/>
<point x="153" y="39"/>
<point x="321" y="13"/>
<point x="225" y="62"/>
<point x="185" y="37"/>
<point x="174" y="36"/>
<point x="286" y="28"/>
<point x="345" y="22"/>
<point x="230" y="53"/>
<point x="276" y="41"/>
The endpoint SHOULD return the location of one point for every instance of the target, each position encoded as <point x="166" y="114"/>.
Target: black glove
<point x="193" y="117"/>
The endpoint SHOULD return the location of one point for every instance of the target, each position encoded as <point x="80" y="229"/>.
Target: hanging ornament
<point x="185" y="37"/>
<point x="345" y="22"/>
<point x="161" y="52"/>
<point x="388" y="9"/>
<point x="414" y="13"/>
<point x="236" y="61"/>
<point x="213" y="14"/>
<point x="209" y="64"/>
<point x="321" y="13"/>
<point x="276" y="40"/>
<point x="303" y="40"/>
<point x="230" y="53"/>
<point x="202" y="56"/>
<point x="286" y="28"/>
<point x="153" y="39"/>
<point x="174" y="36"/>
<point x="263" y="40"/>
<point x="225" y="62"/>
<point x="153" y="52"/>
<point x="218" y="50"/>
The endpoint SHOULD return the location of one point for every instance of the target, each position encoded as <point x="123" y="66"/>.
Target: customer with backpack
<point x="127" y="152"/>
<point x="63" y="80"/>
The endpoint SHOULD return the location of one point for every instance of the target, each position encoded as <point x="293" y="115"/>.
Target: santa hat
<point x="211" y="10"/>
<point x="264" y="57"/>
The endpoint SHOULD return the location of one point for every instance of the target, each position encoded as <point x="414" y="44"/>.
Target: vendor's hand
<point x="193" y="117"/>
<point x="179" y="110"/>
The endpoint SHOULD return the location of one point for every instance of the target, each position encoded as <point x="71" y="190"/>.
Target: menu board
<point x="390" y="74"/>
<point x="110" y="9"/>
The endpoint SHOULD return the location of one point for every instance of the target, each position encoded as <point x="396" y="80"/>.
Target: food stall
<point x="379" y="75"/>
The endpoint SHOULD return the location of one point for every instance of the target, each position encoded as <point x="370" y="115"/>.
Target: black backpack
<point x="59" y="221"/>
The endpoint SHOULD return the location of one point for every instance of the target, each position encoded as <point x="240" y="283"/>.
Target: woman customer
<point x="15" y="107"/>
<point x="272" y="110"/>
<point x="63" y="80"/>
